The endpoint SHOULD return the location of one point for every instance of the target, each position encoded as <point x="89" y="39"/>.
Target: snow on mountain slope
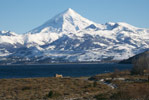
<point x="98" y="45"/>
<point x="68" y="21"/>
<point x="69" y="37"/>
<point x="8" y="42"/>
<point x="7" y="33"/>
<point x="39" y="39"/>
<point x="10" y="37"/>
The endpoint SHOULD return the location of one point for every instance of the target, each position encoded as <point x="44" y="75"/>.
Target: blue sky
<point x="21" y="16"/>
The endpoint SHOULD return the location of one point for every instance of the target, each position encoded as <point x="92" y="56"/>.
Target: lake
<point x="73" y="70"/>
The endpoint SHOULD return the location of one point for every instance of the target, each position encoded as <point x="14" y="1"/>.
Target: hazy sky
<point x="21" y="16"/>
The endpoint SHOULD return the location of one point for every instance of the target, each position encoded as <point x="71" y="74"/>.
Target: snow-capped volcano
<point x="69" y="37"/>
<point x="68" y="21"/>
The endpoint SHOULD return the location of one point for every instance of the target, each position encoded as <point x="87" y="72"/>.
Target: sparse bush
<point x="140" y="64"/>
<point x="134" y="92"/>
<point x="26" y="88"/>
<point x="101" y="97"/>
<point x="53" y="94"/>
<point x="116" y="73"/>
<point x="50" y="94"/>
<point x="120" y="95"/>
<point x="94" y="83"/>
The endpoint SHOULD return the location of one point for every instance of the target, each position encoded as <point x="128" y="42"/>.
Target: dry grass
<point x="124" y="74"/>
<point x="127" y="90"/>
<point x="131" y="91"/>
<point x="39" y="89"/>
<point x="78" y="88"/>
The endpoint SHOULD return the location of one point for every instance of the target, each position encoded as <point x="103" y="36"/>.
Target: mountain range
<point x="69" y="37"/>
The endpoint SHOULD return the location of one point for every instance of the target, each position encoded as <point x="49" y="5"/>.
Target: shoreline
<point x="59" y="64"/>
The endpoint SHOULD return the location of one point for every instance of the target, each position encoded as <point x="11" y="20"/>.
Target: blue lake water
<point x="73" y="70"/>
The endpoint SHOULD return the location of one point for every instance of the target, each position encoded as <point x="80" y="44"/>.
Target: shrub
<point x="134" y="92"/>
<point x="94" y="84"/>
<point x="101" y="97"/>
<point x="53" y="94"/>
<point x="26" y="88"/>
<point x="140" y="64"/>
<point x="50" y="94"/>
<point x="116" y="73"/>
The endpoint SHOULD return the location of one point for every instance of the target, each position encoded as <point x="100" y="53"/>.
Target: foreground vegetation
<point x="76" y="88"/>
<point x="133" y="87"/>
<point x="50" y="89"/>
